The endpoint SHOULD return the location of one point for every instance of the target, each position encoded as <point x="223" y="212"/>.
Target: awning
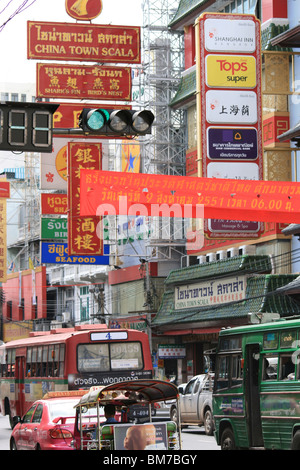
<point x="291" y="288"/>
<point x="192" y="331"/>
<point x="289" y="38"/>
<point x="292" y="229"/>
<point x="292" y="134"/>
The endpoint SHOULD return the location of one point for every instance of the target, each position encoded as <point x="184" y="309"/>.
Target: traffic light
<point x="26" y="127"/>
<point x="116" y="121"/>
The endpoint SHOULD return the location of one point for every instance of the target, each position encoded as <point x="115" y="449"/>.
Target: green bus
<point x="256" y="397"/>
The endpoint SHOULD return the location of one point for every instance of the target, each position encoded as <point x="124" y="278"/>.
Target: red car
<point x="47" y="425"/>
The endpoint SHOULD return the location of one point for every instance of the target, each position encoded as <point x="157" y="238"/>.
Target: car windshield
<point x="63" y="408"/>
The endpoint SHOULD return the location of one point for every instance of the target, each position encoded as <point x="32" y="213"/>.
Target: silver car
<point x="196" y="403"/>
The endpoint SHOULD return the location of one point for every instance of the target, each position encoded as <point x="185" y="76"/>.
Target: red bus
<point x="69" y="359"/>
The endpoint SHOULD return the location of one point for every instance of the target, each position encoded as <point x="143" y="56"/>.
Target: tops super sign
<point x="84" y="9"/>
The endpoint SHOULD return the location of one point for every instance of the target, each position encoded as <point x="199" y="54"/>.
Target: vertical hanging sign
<point x="229" y="108"/>
<point x="83" y="232"/>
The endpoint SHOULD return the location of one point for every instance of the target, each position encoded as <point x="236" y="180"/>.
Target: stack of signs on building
<point x="84" y="42"/>
<point x="229" y="108"/>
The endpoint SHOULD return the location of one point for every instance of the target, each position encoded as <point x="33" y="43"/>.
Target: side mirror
<point x="16" y="420"/>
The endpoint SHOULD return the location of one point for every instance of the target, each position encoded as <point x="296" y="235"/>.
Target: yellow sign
<point x="230" y="71"/>
<point x="131" y="153"/>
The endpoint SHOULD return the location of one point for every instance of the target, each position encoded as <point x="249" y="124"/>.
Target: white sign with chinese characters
<point x="231" y="107"/>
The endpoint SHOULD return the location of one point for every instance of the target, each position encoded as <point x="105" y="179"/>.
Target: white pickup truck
<point x="196" y="403"/>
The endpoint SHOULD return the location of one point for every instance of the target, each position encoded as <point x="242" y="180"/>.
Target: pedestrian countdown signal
<point x="26" y="126"/>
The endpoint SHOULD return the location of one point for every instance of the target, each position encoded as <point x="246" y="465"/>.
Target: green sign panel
<point x="54" y="229"/>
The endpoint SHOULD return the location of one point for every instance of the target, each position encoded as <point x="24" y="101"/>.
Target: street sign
<point x="83" y="82"/>
<point x="57" y="253"/>
<point x="83" y="42"/>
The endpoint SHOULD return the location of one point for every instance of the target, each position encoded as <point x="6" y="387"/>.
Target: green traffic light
<point x="97" y="118"/>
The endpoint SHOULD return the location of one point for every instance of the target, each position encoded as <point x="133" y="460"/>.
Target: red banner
<point x="82" y="81"/>
<point x="54" y="203"/>
<point x="180" y="196"/>
<point x="82" y="231"/>
<point x="83" y="42"/>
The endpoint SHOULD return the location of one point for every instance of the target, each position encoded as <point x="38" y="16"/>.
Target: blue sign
<point x="57" y="253"/>
<point x="232" y="144"/>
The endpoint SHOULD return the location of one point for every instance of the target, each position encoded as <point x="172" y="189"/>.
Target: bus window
<point x="28" y="361"/>
<point x="222" y="372"/>
<point x="44" y="361"/>
<point x="286" y="367"/>
<point x="61" y="360"/>
<point x="236" y="371"/>
<point x="270" y="364"/>
<point x="93" y="357"/>
<point x="126" y="356"/>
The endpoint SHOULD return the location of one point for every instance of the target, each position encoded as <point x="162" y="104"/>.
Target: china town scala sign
<point x="84" y="9"/>
<point x="83" y="42"/>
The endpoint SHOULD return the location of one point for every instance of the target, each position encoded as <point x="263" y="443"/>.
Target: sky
<point x="15" y="67"/>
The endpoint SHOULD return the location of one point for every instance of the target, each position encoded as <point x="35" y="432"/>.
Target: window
<point x="223" y="372"/>
<point x="37" y="417"/>
<point x="236" y="371"/>
<point x="286" y="367"/>
<point x="105" y="357"/>
<point x="270" y="366"/>
<point x="189" y="387"/>
<point x="46" y="361"/>
<point x="28" y="415"/>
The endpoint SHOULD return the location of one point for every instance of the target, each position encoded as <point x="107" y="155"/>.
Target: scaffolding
<point x="163" y="63"/>
<point x="164" y="152"/>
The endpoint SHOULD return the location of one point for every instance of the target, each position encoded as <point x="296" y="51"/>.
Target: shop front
<point x="200" y="300"/>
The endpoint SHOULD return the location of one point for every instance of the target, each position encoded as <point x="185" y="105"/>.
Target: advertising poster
<point x="151" y="436"/>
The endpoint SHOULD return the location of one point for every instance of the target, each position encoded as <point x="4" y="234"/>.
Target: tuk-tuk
<point x="134" y="405"/>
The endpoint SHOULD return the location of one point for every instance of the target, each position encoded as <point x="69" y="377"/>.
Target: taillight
<point x="58" y="433"/>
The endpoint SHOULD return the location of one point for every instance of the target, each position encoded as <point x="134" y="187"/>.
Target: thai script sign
<point x="231" y="142"/>
<point x="214" y="292"/>
<point x="83" y="42"/>
<point x="82" y="81"/>
<point x="58" y="253"/>
<point x="179" y="196"/>
<point x="52" y="229"/>
<point x="54" y="203"/>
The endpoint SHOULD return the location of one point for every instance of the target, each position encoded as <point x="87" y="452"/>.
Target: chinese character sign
<point x="82" y="81"/>
<point x="83" y="232"/>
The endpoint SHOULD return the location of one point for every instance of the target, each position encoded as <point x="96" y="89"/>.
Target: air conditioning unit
<point x="201" y="259"/>
<point x="210" y="257"/>
<point x="221" y="255"/>
<point x="247" y="250"/>
<point x="232" y="252"/>
<point x="66" y="317"/>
